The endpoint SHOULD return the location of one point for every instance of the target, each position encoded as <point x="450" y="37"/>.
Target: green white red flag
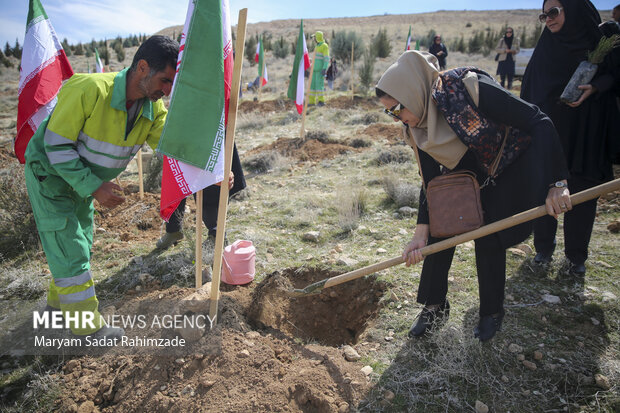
<point x="98" y="64"/>
<point x="43" y="68"/>
<point x="193" y="136"/>
<point x="408" y="45"/>
<point x="300" y="65"/>
<point x="259" y="58"/>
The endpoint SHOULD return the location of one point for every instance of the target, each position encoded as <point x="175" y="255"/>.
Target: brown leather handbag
<point x="453" y="199"/>
<point x="454" y="205"/>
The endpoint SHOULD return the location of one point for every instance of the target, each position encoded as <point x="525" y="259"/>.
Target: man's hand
<point x="587" y="91"/>
<point x="106" y="195"/>
<point x="231" y="181"/>
<point x="412" y="254"/>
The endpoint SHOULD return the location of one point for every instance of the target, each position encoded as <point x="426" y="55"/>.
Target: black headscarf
<point x="586" y="132"/>
<point x="556" y="56"/>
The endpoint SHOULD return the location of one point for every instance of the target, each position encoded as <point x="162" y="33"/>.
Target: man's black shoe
<point x="429" y="318"/>
<point x="577" y="270"/>
<point x="488" y="326"/>
<point x="543" y="259"/>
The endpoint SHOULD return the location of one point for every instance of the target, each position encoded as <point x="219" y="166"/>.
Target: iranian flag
<point x="408" y="46"/>
<point x="98" y="64"/>
<point x="43" y="68"/>
<point x="260" y="59"/>
<point x="193" y="136"/>
<point x="301" y="64"/>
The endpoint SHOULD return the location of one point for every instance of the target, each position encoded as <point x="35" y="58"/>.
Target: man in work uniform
<point x="317" y="87"/>
<point x="96" y="128"/>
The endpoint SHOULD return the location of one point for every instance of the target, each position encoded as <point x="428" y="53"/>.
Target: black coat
<point x="524" y="183"/>
<point x="590" y="132"/>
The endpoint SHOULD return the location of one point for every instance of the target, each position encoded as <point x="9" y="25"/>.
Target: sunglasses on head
<point x="552" y="13"/>
<point x="394" y="111"/>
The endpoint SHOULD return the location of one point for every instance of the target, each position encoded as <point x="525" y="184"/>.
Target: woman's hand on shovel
<point x="558" y="201"/>
<point x="412" y="254"/>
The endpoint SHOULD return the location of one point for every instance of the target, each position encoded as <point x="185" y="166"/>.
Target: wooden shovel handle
<point x="483" y="231"/>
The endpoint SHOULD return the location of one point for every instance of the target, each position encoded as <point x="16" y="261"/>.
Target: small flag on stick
<point x="98" y="64"/>
<point x="408" y="45"/>
<point x="300" y="65"/>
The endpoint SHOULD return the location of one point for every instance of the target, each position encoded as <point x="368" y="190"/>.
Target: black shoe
<point x="577" y="270"/>
<point x="488" y="326"/>
<point x="543" y="259"/>
<point x="427" y="319"/>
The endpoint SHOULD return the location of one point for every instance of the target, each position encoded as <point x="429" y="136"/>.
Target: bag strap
<point x="492" y="169"/>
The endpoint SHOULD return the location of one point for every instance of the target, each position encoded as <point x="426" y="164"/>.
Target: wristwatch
<point x="558" y="184"/>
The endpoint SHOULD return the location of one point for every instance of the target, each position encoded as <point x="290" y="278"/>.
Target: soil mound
<point x="358" y="102"/>
<point x="255" y="371"/>
<point x="393" y="133"/>
<point x="305" y="149"/>
<point x="336" y="316"/>
<point x="266" y="106"/>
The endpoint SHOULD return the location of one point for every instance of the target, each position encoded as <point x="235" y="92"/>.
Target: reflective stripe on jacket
<point x="84" y="140"/>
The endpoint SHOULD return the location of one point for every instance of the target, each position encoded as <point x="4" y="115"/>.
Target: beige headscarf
<point x="410" y="81"/>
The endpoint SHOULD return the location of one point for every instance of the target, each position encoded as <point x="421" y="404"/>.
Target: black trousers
<point x="210" y="206"/>
<point x="491" y="268"/>
<point x="578" y="224"/>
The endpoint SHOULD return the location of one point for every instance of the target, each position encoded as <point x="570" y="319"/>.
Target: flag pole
<point x="352" y="71"/>
<point x="230" y="140"/>
<point x="198" y="249"/>
<point x="302" y="132"/>
<point x="140" y="175"/>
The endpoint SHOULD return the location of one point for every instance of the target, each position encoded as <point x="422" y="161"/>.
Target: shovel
<point x="485" y="230"/>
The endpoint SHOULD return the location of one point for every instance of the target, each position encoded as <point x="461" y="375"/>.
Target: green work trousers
<point x="65" y="225"/>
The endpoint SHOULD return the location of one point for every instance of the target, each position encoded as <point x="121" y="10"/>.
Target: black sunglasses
<point x="552" y="13"/>
<point x="394" y="111"/>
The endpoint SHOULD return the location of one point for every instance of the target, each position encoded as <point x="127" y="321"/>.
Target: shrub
<point x="318" y="135"/>
<point x="365" y="119"/>
<point x="18" y="231"/>
<point x="250" y="49"/>
<point x="280" y="48"/>
<point x="367" y="69"/>
<point x="340" y="46"/>
<point x="381" y="44"/>
<point x="360" y="143"/>
<point x="397" y="154"/>
<point x="401" y="192"/>
<point x="351" y="206"/>
<point x="262" y="162"/>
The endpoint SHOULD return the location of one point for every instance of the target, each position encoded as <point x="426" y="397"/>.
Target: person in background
<point x="507" y="48"/>
<point x="210" y="207"/>
<point x="440" y="51"/>
<point x="317" y="87"/>
<point x="98" y="125"/>
<point x="332" y="72"/>
<point x="454" y="124"/>
<point x="588" y="128"/>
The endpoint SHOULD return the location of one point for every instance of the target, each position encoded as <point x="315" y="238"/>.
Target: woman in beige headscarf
<point x="452" y="118"/>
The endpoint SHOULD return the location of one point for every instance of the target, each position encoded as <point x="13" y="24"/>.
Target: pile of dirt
<point x="255" y="370"/>
<point x="134" y="219"/>
<point x="336" y="316"/>
<point x="305" y="149"/>
<point x="266" y="106"/>
<point x="339" y="102"/>
<point x="358" y="102"/>
<point x="392" y="133"/>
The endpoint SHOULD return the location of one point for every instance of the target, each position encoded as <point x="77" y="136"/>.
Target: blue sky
<point x="83" y="20"/>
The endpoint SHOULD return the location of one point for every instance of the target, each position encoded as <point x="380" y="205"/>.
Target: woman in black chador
<point x="588" y="128"/>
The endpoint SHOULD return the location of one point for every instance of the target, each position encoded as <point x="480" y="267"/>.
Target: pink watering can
<point x="238" y="263"/>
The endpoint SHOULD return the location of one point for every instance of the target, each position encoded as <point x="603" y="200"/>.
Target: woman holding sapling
<point x="462" y="119"/>
<point x="589" y="127"/>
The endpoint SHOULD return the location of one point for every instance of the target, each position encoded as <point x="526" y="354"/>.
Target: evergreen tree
<point x="79" y="50"/>
<point x="250" y="49"/>
<point x="8" y="51"/>
<point x="17" y="50"/>
<point x="381" y="44"/>
<point x="280" y="48"/>
<point x="340" y="46"/>
<point x="367" y="70"/>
